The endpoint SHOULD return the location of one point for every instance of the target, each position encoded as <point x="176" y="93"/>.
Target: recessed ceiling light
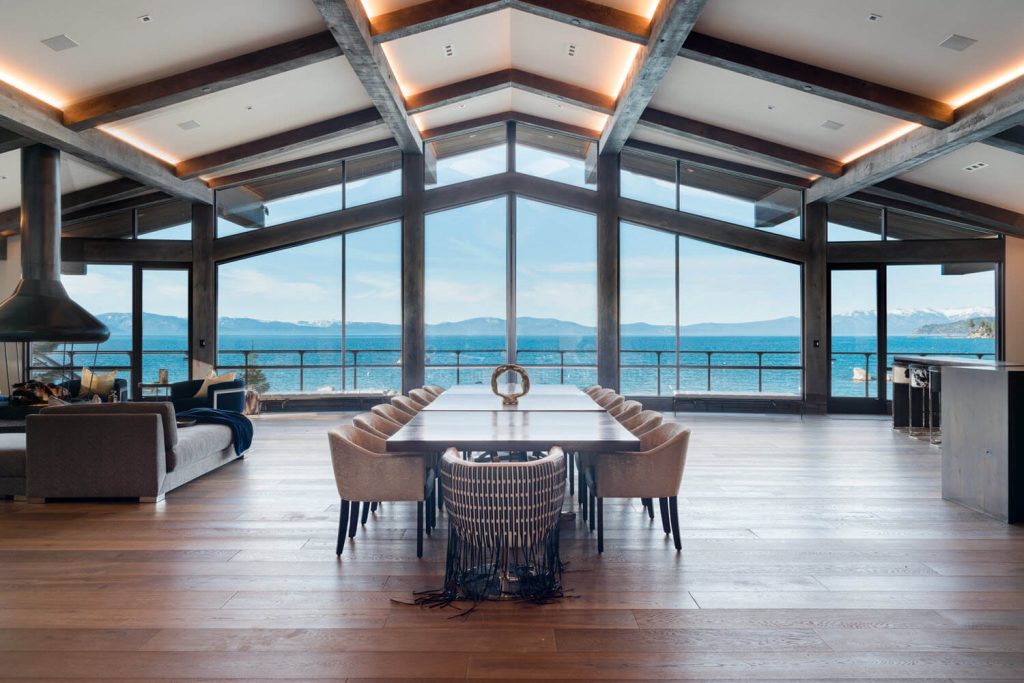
<point x="874" y="17"/>
<point x="188" y="125"/>
<point x="145" y="19"/>
<point x="832" y="125"/>
<point x="957" y="42"/>
<point x="449" y="51"/>
<point x="976" y="166"/>
<point x="570" y="49"/>
<point x="771" y="107"/>
<point x="59" y="43"/>
<point x="808" y="88"/>
<point x="462" y="105"/>
<point x="248" y="107"/>
<point x="207" y="88"/>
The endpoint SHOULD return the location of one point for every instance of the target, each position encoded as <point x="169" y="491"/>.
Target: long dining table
<point x="471" y="418"/>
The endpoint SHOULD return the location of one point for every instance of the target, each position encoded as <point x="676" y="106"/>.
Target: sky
<point x="466" y="262"/>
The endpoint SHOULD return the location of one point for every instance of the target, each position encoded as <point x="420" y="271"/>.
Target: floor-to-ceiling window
<point x="165" y="295"/>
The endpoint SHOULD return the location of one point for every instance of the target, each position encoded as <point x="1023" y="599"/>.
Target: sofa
<point x="118" y="450"/>
<point x="223" y="396"/>
<point x="12" y="465"/>
<point x="75" y="385"/>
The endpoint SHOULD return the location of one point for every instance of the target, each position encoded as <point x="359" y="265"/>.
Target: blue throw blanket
<point x="241" y="426"/>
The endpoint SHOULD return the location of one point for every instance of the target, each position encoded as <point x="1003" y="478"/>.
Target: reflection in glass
<point x="854" y="343"/>
<point x="373" y="178"/>
<point x="555" y="156"/>
<point x="854" y="222"/>
<point x="648" y="178"/>
<point x="166" y="221"/>
<point x="740" y="201"/>
<point x="467" y="156"/>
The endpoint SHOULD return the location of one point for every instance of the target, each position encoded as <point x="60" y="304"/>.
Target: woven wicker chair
<point x="422" y="397"/>
<point x="626" y="410"/>
<point x="656" y="471"/>
<point x="364" y="473"/>
<point x="406" y="405"/>
<point x="389" y="412"/>
<point x="503" y="521"/>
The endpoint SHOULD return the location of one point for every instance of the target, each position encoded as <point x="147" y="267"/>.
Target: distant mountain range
<point x="952" y="323"/>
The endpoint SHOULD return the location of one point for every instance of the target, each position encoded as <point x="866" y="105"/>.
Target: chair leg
<point x="593" y="509"/>
<point x="366" y="512"/>
<point x="431" y="511"/>
<point x="665" y="523"/>
<point x="648" y="504"/>
<point x="581" y="487"/>
<point x="673" y="507"/>
<point x="353" y="520"/>
<point x="342" y="528"/>
<point x="419" y="528"/>
<point x="584" y="498"/>
<point x="373" y="506"/>
<point x="600" y="525"/>
<point x="572" y="473"/>
<point x="439" y="493"/>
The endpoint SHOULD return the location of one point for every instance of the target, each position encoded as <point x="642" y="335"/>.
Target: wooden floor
<point x="812" y="550"/>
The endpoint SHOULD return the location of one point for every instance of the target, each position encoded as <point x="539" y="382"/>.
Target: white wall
<point x="1013" y="320"/>
<point x="10" y="272"/>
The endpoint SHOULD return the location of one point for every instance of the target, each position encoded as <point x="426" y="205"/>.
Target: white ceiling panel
<point x="999" y="183"/>
<point x="644" y="8"/>
<point x="901" y="49"/>
<point x="766" y="110"/>
<point x="538" y="105"/>
<point x="116" y="50"/>
<point x="278" y="103"/>
<point x="510" y="99"/>
<point x="74" y="175"/>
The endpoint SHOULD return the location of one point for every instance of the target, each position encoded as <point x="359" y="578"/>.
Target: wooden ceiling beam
<point x="498" y="80"/>
<point x="204" y="80"/>
<point x="671" y="24"/>
<point x="817" y="81"/>
<point x="976" y="121"/>
<point x="978" y="213"/>
<point x="742" y="143"/>
<point x="433" y="14"/>
<point x="279" y="143"/>
<point x="26" y="116"/>
<point x="351" y="29"/>
<point x="503" y="117"/>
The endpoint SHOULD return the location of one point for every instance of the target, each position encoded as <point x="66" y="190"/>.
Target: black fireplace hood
<point x="40" y="308"/>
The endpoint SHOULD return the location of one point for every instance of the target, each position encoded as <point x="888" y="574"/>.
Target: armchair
<point x="223" y="396"/>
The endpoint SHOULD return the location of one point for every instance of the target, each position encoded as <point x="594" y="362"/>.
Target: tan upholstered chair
<point x="592" y="389"/>
<point x="406" y="404"/>
<point x="626" y="410"/>
<point x="655" y="471"/>
<point x="612" y="402"/>
<point x="365" y="473"/>
<point x="644" y="422"/>
<point x="379" y="426"/>
<point x="435" y="389"/>
<point x="389" y="412"/>
<point x="601" y="395"/>
<point x="422" y="397"/>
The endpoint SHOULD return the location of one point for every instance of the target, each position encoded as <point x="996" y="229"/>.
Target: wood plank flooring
<point x="813" y="550"/>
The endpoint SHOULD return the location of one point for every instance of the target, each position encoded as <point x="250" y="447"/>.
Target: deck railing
<point x="868" y="355"/>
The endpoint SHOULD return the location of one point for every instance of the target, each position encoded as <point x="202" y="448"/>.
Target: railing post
<point x="709" y="368"/>
<point x="760" y="371"/>
<point x="867" y="376"/>
<point x="355" y="370"/>
<point x="657" y="361"/>
<point x="561" y="361"/>
<point x="245" y="361"/>
<point x="302" y="370"/>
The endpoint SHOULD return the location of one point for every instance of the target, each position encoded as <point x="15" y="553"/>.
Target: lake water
<point x="728" y="364"/>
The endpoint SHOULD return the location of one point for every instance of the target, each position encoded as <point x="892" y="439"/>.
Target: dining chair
<point x="363" y="472"/>
<point x="406" y="404"/>
<point x="503" y="526"/>
<point x="390" y="412"/>
<point x="592" y="389"/>
<point x="655" y="471"/>
<point x="421" y="396"/>
<point x="626" y="410"/>
<point x="612" y="402"/>
<point x="435" y="389"/>
<point x="644" y="422"/>
<point x="379" y="426"/>
<point x="601" y="394"/>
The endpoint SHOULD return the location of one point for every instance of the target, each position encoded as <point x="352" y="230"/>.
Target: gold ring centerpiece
<point x="511" y="398"/>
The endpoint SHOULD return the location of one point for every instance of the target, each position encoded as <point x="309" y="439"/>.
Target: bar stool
<point x="919" y="388"/>
<point x="935" y="404"/>
<point x="900" y="397"/>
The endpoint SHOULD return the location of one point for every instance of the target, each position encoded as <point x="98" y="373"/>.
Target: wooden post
<point x="413" y="300"/>
<point x="203" y="304"/>
<point x="815" y="308"/>
<point x="608" y="271"/>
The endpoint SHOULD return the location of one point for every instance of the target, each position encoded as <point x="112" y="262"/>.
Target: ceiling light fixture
<point x="145" y="19"/>
<point x="188" y="125"/>
<point x="59" y="43"/>
<point x="874" y="17"/>
<point x="570" y="49"/>
<point x="832" y="125"/>
<point x="449" y="51"/>
<point x="976" y="166"/>
<point x="957" y="42"/>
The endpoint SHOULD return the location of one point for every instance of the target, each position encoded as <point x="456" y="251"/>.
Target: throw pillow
<point x="53" y="401"/>
<point x="211" y="380"/>
<point x="96" y="384"/>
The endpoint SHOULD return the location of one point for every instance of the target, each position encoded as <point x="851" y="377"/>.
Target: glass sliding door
<point x="556" y="293"/>
<point x="165" y="304"/>
<point x="857" y="340"/>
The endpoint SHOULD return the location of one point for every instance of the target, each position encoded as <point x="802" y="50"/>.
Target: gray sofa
<point x="118" y="450"/>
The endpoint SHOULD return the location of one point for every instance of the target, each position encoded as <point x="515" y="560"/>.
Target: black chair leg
<point x="572" y="473"/>
<point x="342" y="528"/>
<point x="673" y="507"/>
<point x="648" y="506"/>
<point x="366" y="513"/>
<point x="353" y="520"/>
<point x="584" y="498"/>
<point x="439" y="494"/>
<point x="665" y="523"/>
<point x="431" y="511"/>
<point x="373" y="506"/>
<point x="419" y="528"/>
<point x="600" y="525"/>
<point x="593" y="509"/>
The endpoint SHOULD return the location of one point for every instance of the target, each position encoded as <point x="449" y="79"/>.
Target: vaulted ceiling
<point x="846" y="93"/>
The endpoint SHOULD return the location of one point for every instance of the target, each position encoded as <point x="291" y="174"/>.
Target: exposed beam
<point x="92" y="250"/>
<point x="11" y="141"/>
<point x="503" y="117"/>
<point x="501" y="184"/>
<point x="120" y="206"/>
<point x="1011" y="139"/>
<point x="980" y="119"/>
<point x="433" y="14"/>
<point x="304" y="164"/>
<point x="994" y="217"/>
<point x="279" y="143"/>
<point x="498" y="80"/>
<point x="741" y="143"/>
<point x="79" y="200"/>
<point x="351" y="29"/>
<point x="672" y="22"/>
<point x="815" y="80"/>
<point x="713" y="231"/>
<point x="918" y="251"/>
<point x="188" y="85"/>
<point x="24" y="115"/>
<point x="917" y="210"/>
<point x="720" y="164"/>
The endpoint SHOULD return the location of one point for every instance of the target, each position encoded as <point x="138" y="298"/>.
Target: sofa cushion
<point x="200" y="441"/>
<point x="12" y="455"/>
<point x="164" y="410"/>
<point x="212" y="380"/>
<point x="96" y="384"/>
